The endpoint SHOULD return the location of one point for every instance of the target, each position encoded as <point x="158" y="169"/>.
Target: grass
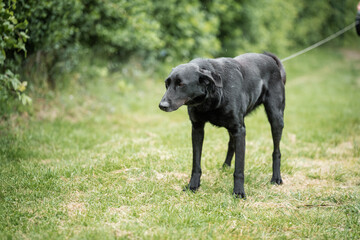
<point x="97" y="163"/>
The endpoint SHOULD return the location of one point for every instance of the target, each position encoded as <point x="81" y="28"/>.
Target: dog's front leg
<point x="239" y="140"/>
<point x="197" y="142"/>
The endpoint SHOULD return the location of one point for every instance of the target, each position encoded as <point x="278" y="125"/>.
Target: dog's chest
<point x="217" y="118"/>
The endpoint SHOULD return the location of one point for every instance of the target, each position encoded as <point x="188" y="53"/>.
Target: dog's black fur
<point x="223" y="91"/>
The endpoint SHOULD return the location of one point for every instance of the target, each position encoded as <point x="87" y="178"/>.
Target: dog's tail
<point x="280" y="65"/>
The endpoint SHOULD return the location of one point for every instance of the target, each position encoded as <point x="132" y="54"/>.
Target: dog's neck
<point x="212" y="101"/>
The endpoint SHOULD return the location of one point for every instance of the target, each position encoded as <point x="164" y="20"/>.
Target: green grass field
<point x="98" y="163"/>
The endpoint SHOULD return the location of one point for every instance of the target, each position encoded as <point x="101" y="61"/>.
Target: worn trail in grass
<point x="96" y="163"/>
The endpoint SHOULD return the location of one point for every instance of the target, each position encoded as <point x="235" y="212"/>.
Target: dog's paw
<point x="190" y="188"/>
<point x="277" y="181"/>
<point x="226" y="166"/>
<point x="194" y="183"/>
<point x="239" y="194"/>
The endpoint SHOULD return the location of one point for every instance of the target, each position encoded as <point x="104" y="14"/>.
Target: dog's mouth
<point x="195" y="101"/>
<point x="170" y="107"/>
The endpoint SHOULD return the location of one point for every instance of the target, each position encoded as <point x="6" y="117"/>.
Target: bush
<point x="47" y="38"/>
<point x="277" y="26"/>
<point x="187" y="29"/>
<point x="12" y="47"/>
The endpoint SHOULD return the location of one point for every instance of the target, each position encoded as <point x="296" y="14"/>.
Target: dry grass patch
<point x="75" y="206"/>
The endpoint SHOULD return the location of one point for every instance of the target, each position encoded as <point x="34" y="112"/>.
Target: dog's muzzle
<point x="165" y="106"/>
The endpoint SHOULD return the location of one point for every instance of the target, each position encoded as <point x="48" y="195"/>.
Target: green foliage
<point x="270" y="23"/>
<point x="178" y="28"/>
<point x="13" y="35"/>
<point x="49" y="38"/>
<point x="317" y="19"/>
<point x="112" y="26"/>
<point x="119" y="27"/>
<point x="277" y="26"/>
<point x="51" y="23"/>
<point x="11" y="86"/>
<point x="187" y="29"/>
<point x="12" y="42"/>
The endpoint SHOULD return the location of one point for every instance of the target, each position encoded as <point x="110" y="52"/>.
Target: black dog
<point x="223" y="91"/>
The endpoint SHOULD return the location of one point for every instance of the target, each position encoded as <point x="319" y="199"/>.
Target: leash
<point x="331" y="37"/>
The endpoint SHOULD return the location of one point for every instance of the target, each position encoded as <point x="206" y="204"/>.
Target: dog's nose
<point x="164" y="105"/>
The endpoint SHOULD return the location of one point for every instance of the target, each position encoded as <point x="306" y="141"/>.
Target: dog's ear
<point x="207" y="77"/>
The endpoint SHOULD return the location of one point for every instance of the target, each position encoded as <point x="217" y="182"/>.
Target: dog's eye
<point x="179" y="83"/>
<point x="167" y="84"/>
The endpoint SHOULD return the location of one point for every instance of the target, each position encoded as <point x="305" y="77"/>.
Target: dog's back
<point x="262" y="62"/>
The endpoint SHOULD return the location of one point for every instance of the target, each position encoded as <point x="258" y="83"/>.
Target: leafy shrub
<point x="47" y="38"/>
<point x="12" y="44"/>
<point x="187" y="29"/>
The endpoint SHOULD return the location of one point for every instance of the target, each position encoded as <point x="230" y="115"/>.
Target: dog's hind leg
<point x="275" y="112"/>
<point x="230" y="152"/>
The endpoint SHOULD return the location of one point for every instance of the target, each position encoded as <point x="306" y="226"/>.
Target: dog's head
<point x="187" y="84"/>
